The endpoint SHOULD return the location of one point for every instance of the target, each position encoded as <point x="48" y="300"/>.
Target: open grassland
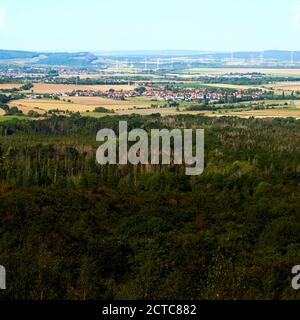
<point x="63" y="88"/>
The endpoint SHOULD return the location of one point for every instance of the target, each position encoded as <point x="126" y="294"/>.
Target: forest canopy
<point x="71" y="229"/>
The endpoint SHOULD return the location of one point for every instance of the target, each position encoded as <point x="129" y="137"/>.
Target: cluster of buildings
<point x="212" y="95"/>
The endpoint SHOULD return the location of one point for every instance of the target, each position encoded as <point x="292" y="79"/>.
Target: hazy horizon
<point x="152" y="51"/>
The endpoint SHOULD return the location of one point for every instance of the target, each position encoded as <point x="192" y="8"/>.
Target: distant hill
<point x="72" y="59"/>
<point x="11" y="54"/>
<point x="60" y="58"/>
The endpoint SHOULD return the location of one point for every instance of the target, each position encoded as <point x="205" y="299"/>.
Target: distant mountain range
<point x="87" y="58"/>
<point x="51" y="59"/>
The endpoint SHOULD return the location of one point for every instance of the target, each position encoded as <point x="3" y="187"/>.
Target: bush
<point x="103" y="110"/>
<point x="14" y="111"/>
<point x="33" y="114"/>
<point x="26" y="86"/>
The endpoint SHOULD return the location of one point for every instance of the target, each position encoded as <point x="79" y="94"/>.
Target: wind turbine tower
<point x="262" y="58"/>
<point x="158" y="64"/>
<point x="292" y="57"/>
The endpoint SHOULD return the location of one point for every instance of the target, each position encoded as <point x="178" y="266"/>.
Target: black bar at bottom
<point x="92" y="310"/>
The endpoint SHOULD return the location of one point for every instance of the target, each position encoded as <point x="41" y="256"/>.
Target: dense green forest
<point x="71" y="229"/>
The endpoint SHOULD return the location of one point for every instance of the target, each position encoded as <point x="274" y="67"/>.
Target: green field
<point x="8" y="118"/>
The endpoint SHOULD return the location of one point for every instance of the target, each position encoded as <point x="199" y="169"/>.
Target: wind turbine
<point x="158" y="62"/>
<point x="117" y="65"/>
<point x="292" y="57"/>
<point x="262" y="57"/>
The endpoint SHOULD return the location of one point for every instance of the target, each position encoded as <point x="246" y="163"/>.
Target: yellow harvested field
<point x="41" y="106"/>
<point x="78" y="104"/>
<point x="111" y="103"/>
<point x="289" y="85"/>
<point x="7" y="86"/>
<point x="2" y="112"/>
<point x="98" y="101"/>
<point x="63" y="88"/>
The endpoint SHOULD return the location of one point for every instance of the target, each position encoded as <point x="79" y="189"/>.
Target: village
<point x="165" y="93"/>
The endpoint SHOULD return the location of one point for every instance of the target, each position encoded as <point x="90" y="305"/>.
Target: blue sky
<point x="218" y="25"/>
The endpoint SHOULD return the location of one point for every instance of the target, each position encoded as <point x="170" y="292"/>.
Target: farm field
<point x="129" y="103"/>
<point x="42" y="106"/>
<point x="281" y="103"/>
<point x="111" y="75"/>
<point x="81" y="76"/>
<point x="289" y="86"/>
<point x="8" y="86"/>
<point x="62" y="88"/>
<point x="87" y="105"/>
<point x="142" y="112"/>
<point x="8" y="118"/>
<point x="231" y="86"/>
<point x="121" y="70"/>
<point x="148" y="111"/>
<point x="275" y="71"/>
<point x="275" y="113"/>
<point x="199" y="84"/>
<point x="79" y="104"/>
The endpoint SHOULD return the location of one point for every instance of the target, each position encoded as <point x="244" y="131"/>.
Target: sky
<point x="96" y="25"/>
